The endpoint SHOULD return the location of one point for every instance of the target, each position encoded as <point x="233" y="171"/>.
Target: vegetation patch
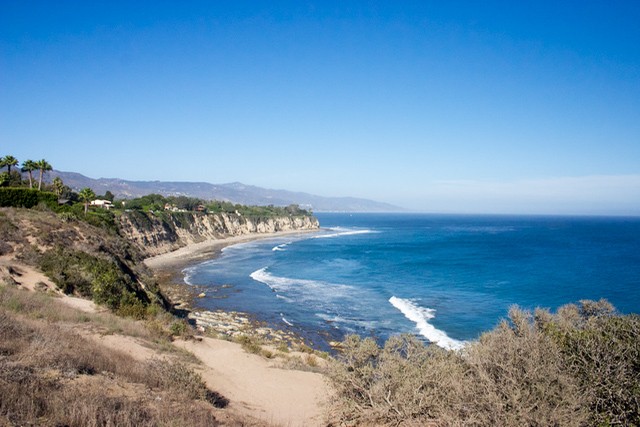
<point x="577" y="367"/>
<point x="50" y="375"/>
<point x="19" y="197"/>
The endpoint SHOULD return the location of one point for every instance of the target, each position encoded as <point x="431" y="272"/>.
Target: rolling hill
<point x="234" y="192"/>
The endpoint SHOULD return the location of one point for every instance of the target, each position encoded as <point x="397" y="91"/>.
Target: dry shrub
<point x="519" y="377"/>
<point x="178" y="377"/>
<point x="249" y="344"/>
<point x="403" y="382"/>
<point x="578" y="367"/>
<point x="602" y="351"/>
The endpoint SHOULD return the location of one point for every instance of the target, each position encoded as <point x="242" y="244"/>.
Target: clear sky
<point x="480" y="106"/>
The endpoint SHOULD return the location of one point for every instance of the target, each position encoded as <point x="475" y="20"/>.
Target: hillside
<point x="233" y="192"/>
<point x="60" y="366"/>
<point x="102" y="259"/>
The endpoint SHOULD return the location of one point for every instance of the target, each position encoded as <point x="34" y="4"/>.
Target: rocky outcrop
<point x="167" y="231"/>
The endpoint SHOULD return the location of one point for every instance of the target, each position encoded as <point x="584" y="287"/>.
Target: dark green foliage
<point x="140" y="220"/>
<point x="11" y="179"/>
<point x="256" y="211"/>
<point x="180" y="219"/>
<point x="26" y="198"/>
<point x="76" y="272"/>
<point x="156" y="202"/>
<point x="101" y="218"/>
<point x="153" y="202"/>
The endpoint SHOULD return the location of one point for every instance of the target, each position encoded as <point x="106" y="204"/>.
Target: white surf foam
<point x="285" y="320"/>
<point x="187" y="274"/>
<point x="280" y="247"/>
<point x="303" y="289"/>
<point x="289" y="300"/>
<point x="281" y="283"/>
<point x="339" y="232"/>
<point x="420" y="316"/>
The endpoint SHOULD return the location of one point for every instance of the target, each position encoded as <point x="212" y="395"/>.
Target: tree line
<point x="14" y="178"/>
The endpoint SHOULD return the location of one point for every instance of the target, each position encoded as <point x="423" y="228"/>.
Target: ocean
<point x="445" y="278"/>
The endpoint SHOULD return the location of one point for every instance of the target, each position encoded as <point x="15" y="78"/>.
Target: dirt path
<point x="255" y="385"/>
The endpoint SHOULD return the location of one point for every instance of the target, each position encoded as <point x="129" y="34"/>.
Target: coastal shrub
<point x="101" y="218"/>
<point x="179" y="328"/>
<point x="602" y="350"/>
<point x="131" y="306"/>
<point x="283" y="347"/>
<point x="180" y="378"/>
<point x="249" y="344"/>
<point x="404" y="381"/>
<point x="580" y="366"/>
<point x="140" y="220"/>
<point x="66" y="216"/>
<point x="102" y="280"/>
<point x="520" y="377"/>
<point x="311" y="360"/>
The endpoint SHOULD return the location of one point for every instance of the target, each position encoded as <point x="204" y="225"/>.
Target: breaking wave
<point x="280" y="247"/>
<point x="285" y="320"/>
<point x="420" y="316"/>
<point x="339" y="231"/>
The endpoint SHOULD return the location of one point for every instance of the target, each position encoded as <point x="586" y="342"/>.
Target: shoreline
<point x="193" y="253"/>
<point x="168" y="269"/>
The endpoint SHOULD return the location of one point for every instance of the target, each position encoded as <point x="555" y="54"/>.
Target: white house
<point x="104" y="204"/>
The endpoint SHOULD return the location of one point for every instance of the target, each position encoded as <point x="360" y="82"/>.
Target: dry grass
<point x="50" y="375"/>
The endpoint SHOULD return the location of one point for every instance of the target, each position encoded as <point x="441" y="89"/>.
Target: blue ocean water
<point x="446" y="278"/>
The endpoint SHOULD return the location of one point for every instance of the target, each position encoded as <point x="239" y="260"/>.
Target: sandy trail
<point x="255" y="386"/>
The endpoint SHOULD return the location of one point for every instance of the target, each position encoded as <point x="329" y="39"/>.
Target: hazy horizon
<point x="447" y="108"/>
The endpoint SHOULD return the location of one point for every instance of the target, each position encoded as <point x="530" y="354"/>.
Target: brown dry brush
<point x="578" y="367"/>
<point x="52" y="376"/>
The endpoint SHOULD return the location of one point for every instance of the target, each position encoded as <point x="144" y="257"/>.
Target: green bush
<point x="90" y="276"/>
<point x="26" y="198"/>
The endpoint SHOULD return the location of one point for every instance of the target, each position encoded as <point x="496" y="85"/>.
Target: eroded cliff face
<point x="156" y="235"/>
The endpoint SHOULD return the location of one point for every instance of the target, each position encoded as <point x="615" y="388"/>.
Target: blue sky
<point x="497" y="107"/>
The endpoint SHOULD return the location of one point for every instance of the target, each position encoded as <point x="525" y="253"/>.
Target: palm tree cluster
<point x="28" y="166"/>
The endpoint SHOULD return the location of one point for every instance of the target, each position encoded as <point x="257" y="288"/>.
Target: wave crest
<point x="339" y="232"/>
<point x="280" y="247"/>
<point x="420" y="316"/>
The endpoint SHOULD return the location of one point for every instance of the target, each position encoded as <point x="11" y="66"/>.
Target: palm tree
<point x="9" y="161"/>
<point x="86" y="195"/>
<point x="58" y="185"/>
<point x="29" y="166"/>
<point x="44" y="166"/>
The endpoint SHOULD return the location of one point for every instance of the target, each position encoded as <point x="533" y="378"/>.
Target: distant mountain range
<point x="234" y="192"/>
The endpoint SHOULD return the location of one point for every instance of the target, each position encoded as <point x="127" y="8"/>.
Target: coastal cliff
<point x="168" y="231"/>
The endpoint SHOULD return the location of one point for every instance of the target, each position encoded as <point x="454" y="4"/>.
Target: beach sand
<point x="208" y="249"/>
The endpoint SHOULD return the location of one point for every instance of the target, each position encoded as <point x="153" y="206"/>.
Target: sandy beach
<point x="208" y="249"/>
